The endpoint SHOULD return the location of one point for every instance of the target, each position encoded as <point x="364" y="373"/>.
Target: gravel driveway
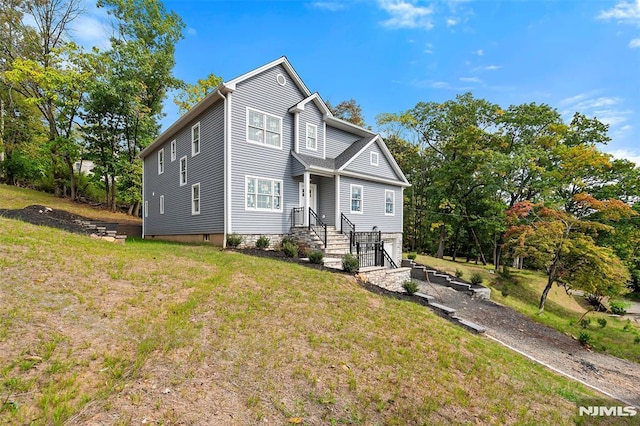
<point x="616" y="377"/>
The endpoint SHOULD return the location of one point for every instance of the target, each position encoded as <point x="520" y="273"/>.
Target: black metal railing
<point x="297" y="216"/>
<point x="318" y="226"/>
<point x="389" y="261"/>
<point x="346" y="226"/>
<point x="370" y="253"/>
<point x="364" y="237"/>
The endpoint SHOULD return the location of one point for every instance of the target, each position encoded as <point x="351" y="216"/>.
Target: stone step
<point x="425" y="296"/>
<point x="476" y="328"/>
<point x="442" y="308"/>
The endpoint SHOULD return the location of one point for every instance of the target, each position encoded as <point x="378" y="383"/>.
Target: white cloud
<point x="470" y="79"/>
<point x="406" y="15"/>
<point x="331" y="6"/>
<point x="479" y="52"/>
<point x="634" y="43"/>
<point x="492" y="67"/>
<point x="625" y="154"/>
<point x="92" y="27"/>
<point x="428" y="48"/>
<point x="192" y="31"/>
<point x="608" y="110"/>
<point x="623" y="12"/>
<point x="451" y="22"/>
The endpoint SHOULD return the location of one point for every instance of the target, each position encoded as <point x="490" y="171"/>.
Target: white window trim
<point x="193" y="151"/>
<point x="351" y="186"/>
<point x="173" y="150"/>
<point x="257" y="209"/>
<point x="185" y="171"/>
<point x="193" y="211"/>
<point x="162" y="204"/>
<point x="373" y="155"/>
<point x="307" y="137"/>
<point x="393" y="202"/>
<point x="264" y="143"/>
<point x="161" y="161"/>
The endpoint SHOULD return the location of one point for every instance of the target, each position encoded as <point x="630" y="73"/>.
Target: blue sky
<point x="389" y="55"/>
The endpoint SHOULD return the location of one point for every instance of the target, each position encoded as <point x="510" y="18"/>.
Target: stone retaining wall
<point x="390" y="279"/>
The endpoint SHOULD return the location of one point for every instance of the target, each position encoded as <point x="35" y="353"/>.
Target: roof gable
<point x="357" y="148"/>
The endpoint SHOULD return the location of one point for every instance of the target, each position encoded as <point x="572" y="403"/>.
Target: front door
<point x="313" y="191"/>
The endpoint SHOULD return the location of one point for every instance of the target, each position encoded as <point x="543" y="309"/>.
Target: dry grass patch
<point x="170" y="333"/>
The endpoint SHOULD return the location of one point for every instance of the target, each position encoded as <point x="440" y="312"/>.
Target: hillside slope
<point x="92" y="332"/>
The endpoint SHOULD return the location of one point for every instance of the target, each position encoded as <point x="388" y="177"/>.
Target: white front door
<point x="313" y="191"/>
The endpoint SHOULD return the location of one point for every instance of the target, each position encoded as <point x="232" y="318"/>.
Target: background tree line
<point x="516" y="185"/>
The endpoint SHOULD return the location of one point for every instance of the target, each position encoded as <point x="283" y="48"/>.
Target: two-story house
<point x="262" y="154"/>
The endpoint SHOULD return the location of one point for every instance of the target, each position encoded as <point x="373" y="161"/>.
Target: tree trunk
<point x="443" y="234"/>
<point x="497" y="260"/>
<point x="136" y="209"/>
<point x="545" y="292"/>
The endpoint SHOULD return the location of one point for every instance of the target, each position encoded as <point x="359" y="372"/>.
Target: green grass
<point x="562" y="312"/>
<point x="191" y="334"/>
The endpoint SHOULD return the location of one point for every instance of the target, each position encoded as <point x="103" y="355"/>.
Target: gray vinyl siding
<point x="338" y="140"/>
<point x="207" y="168"/>
<point x="326" y="199"/>
<point x="311" y="115"/>
<point x="362" y="164"/>
<point x="262" y="92"/>
<point x="297" y="168"/>
<point x="373" y="205"/>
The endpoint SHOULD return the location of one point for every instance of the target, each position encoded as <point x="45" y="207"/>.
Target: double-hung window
<point x="263" y="128"/>
<point x="195" y="198"/>
<point x="183" y="170"/>
<point x="161" y="161"/>
<point x="263" y="194"/>
<point x="195" y="139"/>
<point x="173" y="150"/>
<point x="356" y="198"/>
<point x="312" y="137"/>
<point x="389" y="202"/>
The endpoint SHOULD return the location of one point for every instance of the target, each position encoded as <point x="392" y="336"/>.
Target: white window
<point x="195" y="139"/>
<point x="162" y="204"/>
<point x="173" y="150"/>
<point x="373" y="158"/>
<point x="161" y="161"/>
<point x="312" y="137"/>
<point x="389" y="203"/>
<point x="146" y="209"/>
<point x="195" y="198"/>
<point x="264" y="129"/>
<point x="183" y="170"/>
<point x="356" y="198"/>
<point x="263" y="194"/>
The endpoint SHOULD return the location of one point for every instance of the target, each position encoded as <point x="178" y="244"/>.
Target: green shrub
<point x="289" y="249"/>
<point x="262" y="242"/>
<point x="234" y="240"/>
<point x="412" y="256"/>
<point x="316" y="257"/>
<point x="506" y="272"/>
<point x="350" y="263"/>
<point x="584" y="323"/>
<point x="410" y="286"/>
<point x="459" y="273"/>
<point x="602" y="322"/>
<point x="288" y="239"/>
<point x="476" y="278"/>
<point x="584" y="338"/>
<point x="636" y="340"/>
<point x="618" y="307"/>
<point x="627" y="326"/>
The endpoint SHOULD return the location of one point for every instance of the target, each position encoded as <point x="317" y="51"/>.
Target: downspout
<point x="227" y="228"/>
<point x="143" y="198"/>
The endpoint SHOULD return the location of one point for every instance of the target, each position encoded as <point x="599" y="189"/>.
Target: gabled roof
<point x="299" y="107"/>
<point x="219" y="93"/>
